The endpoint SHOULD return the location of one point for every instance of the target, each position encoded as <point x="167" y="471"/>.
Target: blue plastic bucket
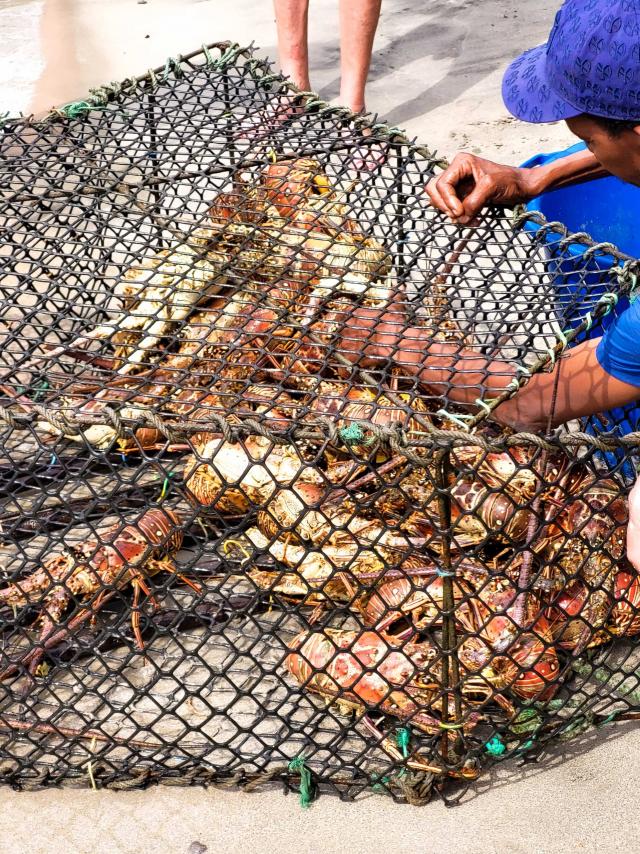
<point x="605" y="209"/>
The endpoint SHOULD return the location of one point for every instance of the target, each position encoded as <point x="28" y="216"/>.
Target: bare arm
<point x="470" y="183"/>
<point x="580" y="384"/>
<point x="633" y="528"/>
<point x="461" y="375"/>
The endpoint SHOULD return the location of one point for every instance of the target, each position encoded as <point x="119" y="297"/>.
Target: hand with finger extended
<point x="470" y="183"/>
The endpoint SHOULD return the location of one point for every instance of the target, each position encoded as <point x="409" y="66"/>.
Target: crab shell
<point x="289" y="510"/>
<point x="516" y="470"/>
<point x="418" y="598"/>
<point x="237" y="477"/>
<point x="480" y="513"/>
<point x="578" y="615"/>
<point x="625" y="616"/>
<point x="100" y="561"/>
<point x="290" y="181"/>
<point x="528" y="666"/>
<point x="369" y="669"/>
<point x="587" y="538"/>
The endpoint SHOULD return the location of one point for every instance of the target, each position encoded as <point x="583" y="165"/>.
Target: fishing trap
<point x="245" y="538"/>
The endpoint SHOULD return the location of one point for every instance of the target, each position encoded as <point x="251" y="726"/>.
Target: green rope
<point x="521" y="369"/>
<point x="351" y="434"/>
<point x="172" y="65"/>
<point x="524" y="747"/>
<point x="609" y="719"/>
<point x="226" y="58"/>
<point x="207" y="55"/>
<point x="379" y="784"/>
<point x="609" y="301"/>
<point x="298" y="766"/>
<point x="484" y="405"/>
<point x="495" y="746"/>
<point x="76" y="109"/>
<point x="459" y="419"/>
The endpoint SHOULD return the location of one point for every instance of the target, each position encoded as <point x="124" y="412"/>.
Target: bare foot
<point x="273" y="117"/>
<point x="367" y="155"/>
<point x="370" y="157"/>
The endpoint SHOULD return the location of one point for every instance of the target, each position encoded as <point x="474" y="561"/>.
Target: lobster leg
<point x="135" y="614"/>
<point x="55" y="604"/>
<point x="138" y="583"/>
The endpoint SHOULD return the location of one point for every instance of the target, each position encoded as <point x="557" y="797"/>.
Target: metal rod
<point x="152" y="153"/>
<point x="450" y="663"/>
<point x="400" y="218"/>
<point x="231" y="143"/>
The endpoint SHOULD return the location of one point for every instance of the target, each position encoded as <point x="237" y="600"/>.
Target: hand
<point x="372" y="335"/>
<point x="471" y="182"/>
<point x="633" y="528"/>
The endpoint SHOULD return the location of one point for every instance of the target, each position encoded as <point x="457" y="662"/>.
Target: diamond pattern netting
<point x="239" y="529"/>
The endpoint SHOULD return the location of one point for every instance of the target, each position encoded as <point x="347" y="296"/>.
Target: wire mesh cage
<point x="248" y="534"/>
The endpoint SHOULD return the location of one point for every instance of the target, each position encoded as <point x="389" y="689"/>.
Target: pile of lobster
<point x="456" y="594"/>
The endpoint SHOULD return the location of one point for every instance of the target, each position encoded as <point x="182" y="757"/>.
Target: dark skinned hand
<point x="470" y="183"/>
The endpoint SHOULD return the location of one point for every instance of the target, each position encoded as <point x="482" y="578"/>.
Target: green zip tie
<point x="588" y="319"/>
<point x="562" y="338"/>
<point x="495" y="746"/>
<point x="352" y="434"/>
<point x="403" y="737"/>
<point x="443" y="725"/>
<point x="166" y="486"/>
<point x="298" y="766"/>
<point x="552" y="356"/>
<point x="44" y="385"/>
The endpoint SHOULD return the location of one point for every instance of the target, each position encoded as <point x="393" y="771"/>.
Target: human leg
<point x="358" y="23"/>
<point x="292" y="27"/>
<point x="293" y="49"/>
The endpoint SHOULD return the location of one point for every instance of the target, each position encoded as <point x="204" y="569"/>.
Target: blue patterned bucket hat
<point x="590" y="64"/>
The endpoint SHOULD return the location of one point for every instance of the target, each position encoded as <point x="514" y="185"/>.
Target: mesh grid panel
<point x="245" y="536"/>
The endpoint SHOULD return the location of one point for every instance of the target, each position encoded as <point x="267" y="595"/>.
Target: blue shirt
<point x="619" y="350"/>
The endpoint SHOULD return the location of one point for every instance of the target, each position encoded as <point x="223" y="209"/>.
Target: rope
<point x="322" y="429"/>
<point x="298" y="766"/>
